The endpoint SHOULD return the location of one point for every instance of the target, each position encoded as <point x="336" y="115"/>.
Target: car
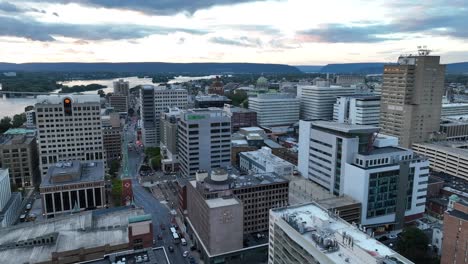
<point x="28" y="206"/>
<point x="186" y="253"/>
<point x="393" y="236"/>
<point x="170" y="248"/>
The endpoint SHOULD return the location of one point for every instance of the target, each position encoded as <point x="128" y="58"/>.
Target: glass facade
<point x="382" y="193"/>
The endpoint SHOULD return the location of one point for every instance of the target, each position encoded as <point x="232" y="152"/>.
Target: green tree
<point x="101" y="93"/>
<point x="413" y="245"/>
<point x="117" y="191"/>
<point x="114" y="167"/>
<point x="19" y="120"/>
<point x="29" y="108"/>
<point x="156" y="162"/>
<point x="5" y="124"/>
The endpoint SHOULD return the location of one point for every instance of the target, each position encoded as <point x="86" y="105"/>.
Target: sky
<point x="294" y="32"/>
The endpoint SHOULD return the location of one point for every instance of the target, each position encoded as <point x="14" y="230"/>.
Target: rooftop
<point x="221" y="202"/>
<point x="75" y="98"/>
<point x="73" y="172"/>
<point x="88" y="229"/>
<point x="315" y="224"/>
<point x="265" y="157"/>
<point x="384" y="150"/>
<point x="16" y="139"/>
<point x="212" y="97"/>
<point x="344" y="127"/>
<point x="454" y="105"/>
<point x="20" y="131"/>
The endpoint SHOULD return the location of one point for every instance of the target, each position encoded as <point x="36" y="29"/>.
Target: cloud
<point x="11" y="8"/>
<point x="240" y="42"/>
<point x="159" y="7"/>
<point x="35" y="30"/>
<point x="55" y="14"/>
<point x="181" y="41"/>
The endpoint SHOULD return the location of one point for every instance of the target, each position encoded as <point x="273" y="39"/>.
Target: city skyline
<point x="295" y="32"/>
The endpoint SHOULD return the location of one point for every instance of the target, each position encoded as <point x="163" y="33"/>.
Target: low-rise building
<point x="455" y="232"/>
<point x="119" y="102"/>
<point x="240" y="117"/>
<point x="72" y="187"/>
<point x="454" y="109"/>
<point x="262" y="161"/>
<point x="453" y="129"/>
<point x="275" y="109"/>
<point x="311" y="234"/>
<point x="18" y="153"/>
<point x="75" y="238"/>
<point x="211" y="100"/>
<point x="31" y="119"/>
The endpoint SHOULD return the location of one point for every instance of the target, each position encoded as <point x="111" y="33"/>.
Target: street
<point x="143" y="198"/>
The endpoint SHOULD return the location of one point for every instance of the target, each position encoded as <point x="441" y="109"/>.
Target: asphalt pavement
<point x="144" y="199"/>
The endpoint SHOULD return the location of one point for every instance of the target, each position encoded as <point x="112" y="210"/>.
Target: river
<point x="12" y="106"/>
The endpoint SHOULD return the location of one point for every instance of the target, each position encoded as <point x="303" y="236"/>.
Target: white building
<point x="69" y="128"/>
<point x="390" y="182"/>
<point x="311" y="234"/>
<point x="262" y="161"/>
<point x="31" y="119"/>
<point x="325" y="147"/>
<point x="204" y="140"/>
<point x="154" y="100"/>
<point x="454" y="109"/>
<point x="10" y="203"/>
<point x="275" y="109"/>
<point x="317" y="100"/>
<point x="357" y="109"/>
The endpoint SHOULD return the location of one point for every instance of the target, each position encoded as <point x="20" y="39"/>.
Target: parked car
<point x="393" y="236"/>
<point x="186" y="253"/>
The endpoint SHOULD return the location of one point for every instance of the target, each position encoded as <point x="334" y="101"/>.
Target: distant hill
<point x="309" y="68"/>
<point x="374" y="68"/>
<point x="151" y="67"/>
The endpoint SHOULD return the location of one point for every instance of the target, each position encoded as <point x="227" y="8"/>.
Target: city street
<point x="151" y="205"/>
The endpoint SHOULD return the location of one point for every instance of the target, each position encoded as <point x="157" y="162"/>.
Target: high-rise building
<point x="18" y="153"/>
<point x="112" y="135"/>
<point x="390" y="182"/>
<point x="240" y="117"/>
<point x="275" y="109"/>
<point x="119" y="99"/>
<point x="69" y="128"/>
<point x="357" y="109"/>
<point x="317" y="100"/>
<point x="454" y="244"/>
<point x="169" y="139"/>
<point x="121" y="87"/>
<point x="246" y="201"/>
<point x="412" y="94"/>
<point x="10" y="202"/>
<point x="309" y="233"/>
<point x="31" y="119"/>
<point x="204" y="140"/>
<point x="154" y="100"/>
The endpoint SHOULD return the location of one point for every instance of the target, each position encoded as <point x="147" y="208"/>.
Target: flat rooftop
<point x="76" y="98"/>
<point x="87" y="229"/>
<point x="345" y="128"/>
<point x="318" y="221"/>
<point x="221" y="202"/>
<point x="79" y="172"/>
<point x="265" y="157"/>
<point x="20" y="131"/>
<point x="212" y="98"/>
<point x="448" y="146"/>
<point x="384" y="150"/>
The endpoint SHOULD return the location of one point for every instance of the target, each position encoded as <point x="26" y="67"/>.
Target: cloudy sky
<point x="296" y="32"/>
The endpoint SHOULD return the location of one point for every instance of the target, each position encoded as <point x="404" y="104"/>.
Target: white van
<point x="183" y="241"/>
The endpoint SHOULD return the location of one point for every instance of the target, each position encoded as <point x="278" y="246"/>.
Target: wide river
<point x="12" y="106"/>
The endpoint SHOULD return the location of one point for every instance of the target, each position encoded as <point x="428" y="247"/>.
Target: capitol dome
<point x="262" y="82"/>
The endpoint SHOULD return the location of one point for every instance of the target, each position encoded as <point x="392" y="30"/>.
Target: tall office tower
<point x="455" y="232"/>
<point x="390" y="182"/>
<point x="154" y="101"/>
<point x="69" y="128"/>
<point x="121" y="87"/>
<point x="275" y="109"/>
<point x="317" y="100"/>
<point x="204" y="140"/>
<point x="119" y="99"/>
<point x="357" y="109"/>
<point x="10" y="202"/>
<point x="309" y="233"/>
<point x="18" y="153"/>
<point x="412" y="94"/>
<point x="112" y="135"/>
<point x="169" y="138"/>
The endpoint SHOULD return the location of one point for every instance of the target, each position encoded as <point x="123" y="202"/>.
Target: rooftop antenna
<point x="423" y="51"/>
